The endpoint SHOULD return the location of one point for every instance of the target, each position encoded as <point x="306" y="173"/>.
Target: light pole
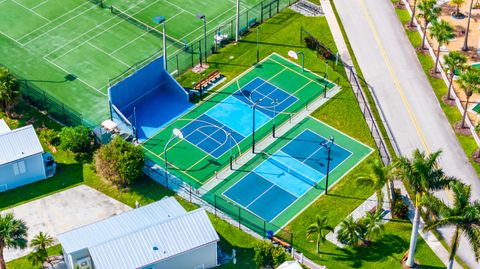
<point x="253" y="123"/>
<point x="303" y="60"/>
<point x="329" y="148"/>
<point x="274" y="102"/>
<point x="175" y="133"/>
<point x="202" y="16"/>
<point x="258" y="51"/>
<point x="162" y="20"/>
<point x="237" y="20"/>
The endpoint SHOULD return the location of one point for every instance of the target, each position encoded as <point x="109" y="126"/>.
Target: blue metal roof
<point x="118" y="226"/>
<point x="171" y="237"/>
<point x="18" y="144"/>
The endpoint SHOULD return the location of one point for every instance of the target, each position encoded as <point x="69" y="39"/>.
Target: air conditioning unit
<point x="84" y="263"/>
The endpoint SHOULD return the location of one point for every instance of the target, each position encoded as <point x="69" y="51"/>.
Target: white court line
<point x="120" y="61"/>
<point x="9" y="37"/>
<point x="33" y="11"/>
<point x="79" y="79"/>
<point x="146" y="33"/>
<point x="48" y="23"/>
<point x="274" y="182"/>
<point x="101" y="32"/>
<point x="41" y="3"/>
<point x="210" y="136"/>
<point x="61" y="24"/>
<point x="261" y="194"/>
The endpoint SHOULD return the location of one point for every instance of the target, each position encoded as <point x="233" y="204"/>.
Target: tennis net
<point x="145" y="26"/>
<point x="292" y="171"/>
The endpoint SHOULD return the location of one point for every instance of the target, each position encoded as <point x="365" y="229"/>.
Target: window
<point x="200" y="266"/>
<point x="19" y="168"/>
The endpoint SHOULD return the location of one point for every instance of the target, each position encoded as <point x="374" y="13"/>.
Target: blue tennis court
<point x="287" y="175"/>
<point x="230" y="121"/>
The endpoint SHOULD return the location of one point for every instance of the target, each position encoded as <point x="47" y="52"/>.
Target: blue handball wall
<point x="149" y="99"/>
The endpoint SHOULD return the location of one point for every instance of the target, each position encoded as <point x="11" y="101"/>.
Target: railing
<point x="355" y="80"/>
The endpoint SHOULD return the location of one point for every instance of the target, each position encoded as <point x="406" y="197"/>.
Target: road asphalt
<point x="409" y="106"/>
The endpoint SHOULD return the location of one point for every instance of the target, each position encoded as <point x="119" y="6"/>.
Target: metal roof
<point x="161" y="241"/>
<point x="4" y="127"/>
<point x="18" y="144"/>
<point x="120" y="225"/>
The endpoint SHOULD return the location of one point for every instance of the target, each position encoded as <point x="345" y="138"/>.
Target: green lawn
<point x="279" y="34"/>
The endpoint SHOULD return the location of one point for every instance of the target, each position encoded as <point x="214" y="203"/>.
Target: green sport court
<point x="72" y="48"/>
<point x="221" y="127"/>
<point x="275" y="186"/>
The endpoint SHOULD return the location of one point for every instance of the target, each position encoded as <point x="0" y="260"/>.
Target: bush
<point x="400" y="208"/>
<point x="119" y="162"/>
<point x="75" y="139"/>
<point x="268" y="255"/>
<point x="50" y="136"/>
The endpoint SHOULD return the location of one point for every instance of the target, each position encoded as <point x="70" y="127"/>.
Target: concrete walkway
<point x="391" y="73"/>
<point x="63" y="211"/>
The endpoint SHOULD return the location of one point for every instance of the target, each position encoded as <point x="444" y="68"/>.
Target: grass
<point x="440" y="88"/>
<point x="24" y="263"/>
<point x="281" y="34"/>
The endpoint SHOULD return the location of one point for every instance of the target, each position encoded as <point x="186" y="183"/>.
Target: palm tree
<point x="470" y="83"/>
<point x="413" y="13"/>
<point x="453" y="60"/>
<point x="8" y="90"/>
<point x="351" y="232"/>
<point x="421" y="175"/>
<point x="319" y="229"/>
<point x="13" y="234"/>
<point x="457" y="3"/>
<point x="378" y="178"/>
<point x="442" y="31"/>
<point x="429" y="12"/>
<point x="374" y="226"/>
<point x="465" y="42"/>
<point x="40" y="243"/>
<point x="463" y="215"/>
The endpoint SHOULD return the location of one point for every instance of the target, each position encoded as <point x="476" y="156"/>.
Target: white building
<point x="22" y="159"/>
<point x="160" y="235"/>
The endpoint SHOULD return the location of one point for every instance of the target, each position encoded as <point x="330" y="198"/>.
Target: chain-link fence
<point x="356" y="81"/>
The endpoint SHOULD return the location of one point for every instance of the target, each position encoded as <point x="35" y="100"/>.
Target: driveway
<point x="62" y="212"/>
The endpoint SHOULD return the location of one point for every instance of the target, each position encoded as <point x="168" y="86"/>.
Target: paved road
<point x="410" y="107"/>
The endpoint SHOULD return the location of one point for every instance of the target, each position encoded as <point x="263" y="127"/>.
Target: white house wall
<point x="34" y="171"/>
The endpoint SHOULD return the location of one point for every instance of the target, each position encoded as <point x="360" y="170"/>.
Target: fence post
<point x="190" y="192"/>
<point x="215" y="203"/>
<point x="64" y="116"/>
<point x="178" y="70"/>
<point x="28" y="90"/>
<point x="301" y="34"/>
<point x="278" y="6"/>
<point x="261" y="12"/>
<point x="45" y="102"/>
<point x="264" y="229"/>
<point x="239" y="218"/>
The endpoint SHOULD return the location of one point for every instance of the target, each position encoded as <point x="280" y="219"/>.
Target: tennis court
<point x="222" y="126"/>
<point x="72" y="48"/>
<point x="277" y="185"/>
<point x="287" y="175"/>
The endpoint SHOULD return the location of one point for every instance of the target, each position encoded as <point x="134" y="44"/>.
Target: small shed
<point x="159" y="235"/>
<point x="21" y="157"/>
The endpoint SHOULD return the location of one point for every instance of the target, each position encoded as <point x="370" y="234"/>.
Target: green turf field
<point x="217" y="195"/>
<point x="44" y="41"/>
<point x="194" y="165"/>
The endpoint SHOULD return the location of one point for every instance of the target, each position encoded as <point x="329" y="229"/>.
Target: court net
<point x="146" y="27"/>
<point x="290" y="170"/>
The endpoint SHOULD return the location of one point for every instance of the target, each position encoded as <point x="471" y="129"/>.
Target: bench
<point x="212" y="77"/>
<point x="281" y="243"/>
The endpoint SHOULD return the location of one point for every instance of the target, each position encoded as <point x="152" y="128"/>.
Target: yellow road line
<point x="396" y="81"/>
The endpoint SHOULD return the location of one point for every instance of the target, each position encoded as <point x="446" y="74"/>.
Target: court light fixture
<point x="176" y="133"/>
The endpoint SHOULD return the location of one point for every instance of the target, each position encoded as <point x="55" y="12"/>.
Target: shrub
<point x="119" y="162"/>
<point x="75" y="139"/>
<point x="400" y="208"/>
<point x="50" y="136"/>
<point x="268" y="255"/>
<point x="311" y="43"/>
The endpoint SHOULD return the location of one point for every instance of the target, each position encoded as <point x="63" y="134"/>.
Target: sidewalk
<point x="433" y="243"/>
